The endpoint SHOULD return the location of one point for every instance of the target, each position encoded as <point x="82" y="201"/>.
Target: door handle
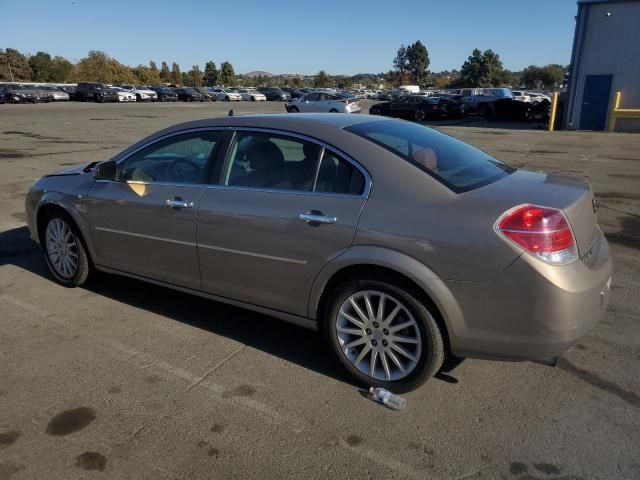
<point x="317" y="218"/>
<point x="176" y="203"/>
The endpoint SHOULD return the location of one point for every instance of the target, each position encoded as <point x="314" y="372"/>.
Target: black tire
<point x="333" y="110"/>
<point x="227" y="99"/>
<point x="432" y="351"/>
<point x="375" y="111"/>
<point x="419" y="115"/>
<point x="293" y="110"/>
<point x="189" y="99"/>
<point x="253" y="99"/>
<point x="482" y="108"/>
<point x="84" y="267"/>
<point x="138" y="98"/>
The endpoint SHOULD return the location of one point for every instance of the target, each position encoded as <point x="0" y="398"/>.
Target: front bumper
<point x="532" y="310"/>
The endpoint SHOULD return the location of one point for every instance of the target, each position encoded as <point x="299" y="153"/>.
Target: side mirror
<point x="106" y="170"/>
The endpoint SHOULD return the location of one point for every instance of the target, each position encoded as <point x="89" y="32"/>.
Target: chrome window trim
<point x="368" y="182"/>
<point x="167" y="136"/>
<point x="161" y="184"/>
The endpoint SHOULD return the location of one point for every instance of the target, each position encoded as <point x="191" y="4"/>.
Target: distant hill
<point x="258" y="73"/>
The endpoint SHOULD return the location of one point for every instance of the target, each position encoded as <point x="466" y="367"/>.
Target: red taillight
<point x="541" y="231"/>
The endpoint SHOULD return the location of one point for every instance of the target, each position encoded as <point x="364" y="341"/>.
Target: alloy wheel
<point x="378" y="335"/>
<point x="62" y="248"/>
<point x="420" y="115"/>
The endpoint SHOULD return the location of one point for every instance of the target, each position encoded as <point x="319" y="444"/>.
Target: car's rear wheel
<point x="333" y="110"/>
<point x="375" y="111"/>
<point x="383" y="334"/>
<point x="482" y="109"/>
<point x="64" y="250"/>
<point x="419" y="115"/>
<point x="227" y="99"/>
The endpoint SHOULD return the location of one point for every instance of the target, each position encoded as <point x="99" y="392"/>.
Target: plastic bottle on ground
<point x="388" y="399"/>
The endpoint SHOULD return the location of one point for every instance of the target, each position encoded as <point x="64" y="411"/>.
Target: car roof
<point x="323" y="126"/>
<point x="299" y="121"/>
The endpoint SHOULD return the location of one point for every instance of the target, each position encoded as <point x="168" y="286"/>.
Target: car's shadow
<point x="270" y="335"/>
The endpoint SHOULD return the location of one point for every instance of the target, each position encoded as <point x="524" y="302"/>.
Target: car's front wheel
<point x="419" y="115"/>
<point x="293" y="109"/>
<point x="383" y="334"/>
<point x="64" y="251"/>
<point x="375" y="111"/>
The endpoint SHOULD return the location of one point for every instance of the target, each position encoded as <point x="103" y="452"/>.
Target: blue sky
<point x="347" y="36"/>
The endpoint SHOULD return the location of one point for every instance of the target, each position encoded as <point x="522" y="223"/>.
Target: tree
<point x="210" y="77"/>
<point x="165" y="73"/>
<point x="322" y="80"/>
<point x="61" y="69"/>
<point x="176" y="76"/>
<point x="548" y="76"/>
<point x="482" y="69"/>
<point x="186" y="79"/>
<point x="146" y="75"/>
<point x="154" y="74"/>
<point x="14" y="66"/>
<point x="41" y="66"/>
<point x="196" y="76"/>
<point x="417" y="62"/>
<point x="227" y="75"/>
<point x="401" y="65"/>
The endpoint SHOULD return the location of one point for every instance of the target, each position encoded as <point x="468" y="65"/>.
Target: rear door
<point x="310" y="103"/>
<point x="145" y="222"/>
<point x="595" y="102"/>
<point x="276" y="218"/>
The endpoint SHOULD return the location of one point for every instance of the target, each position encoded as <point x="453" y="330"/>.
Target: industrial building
<point x="605" y="59"/>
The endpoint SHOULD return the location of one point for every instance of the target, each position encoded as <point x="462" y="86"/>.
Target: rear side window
<point x="457" y="165"/>
<point x="336" y="175"/>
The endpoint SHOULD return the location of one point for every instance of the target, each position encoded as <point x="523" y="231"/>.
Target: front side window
<point x="264" y="160"/>
<point x="178" y="159"/>
<point x="457" y="165"/>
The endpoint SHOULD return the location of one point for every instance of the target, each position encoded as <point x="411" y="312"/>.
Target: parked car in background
<point x="275" y="94"/>
<point x="323" y="102"/>
<point x="57" y="94"/>
<point x="18" y="93"/>
<point x="189" y="95"/>
<point x="225" y="95"/>
<point x="299" y="92"/>
<point x="537" y="97"/>
<point x="476" y="99"/>
<point x="69" y="90"/>
<point x="95" y="92"/>
<point x="419" y="108"/>
<point x="165" y="94"/>
<point x="251" y="95"/>
<point x="124" y="95"/>
<point x="402" y="245"/>
<point x="210" y="97"/>
<point x="521" y="96"/>
<point x="142" y="94"/>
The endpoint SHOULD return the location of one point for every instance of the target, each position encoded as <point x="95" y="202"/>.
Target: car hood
<point x="77" y="170"/>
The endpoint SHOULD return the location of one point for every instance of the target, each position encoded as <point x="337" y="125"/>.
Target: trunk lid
<point x="571" y="195"/>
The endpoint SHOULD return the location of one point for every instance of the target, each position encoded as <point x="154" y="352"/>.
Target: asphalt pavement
<point x="123" y="379"/>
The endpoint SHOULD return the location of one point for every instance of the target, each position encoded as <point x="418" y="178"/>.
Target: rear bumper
<point x="532" y="311"/>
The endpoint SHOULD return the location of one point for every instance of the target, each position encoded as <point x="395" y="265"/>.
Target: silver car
<point x="400" y="244"/>
<point x="323" y="102"/>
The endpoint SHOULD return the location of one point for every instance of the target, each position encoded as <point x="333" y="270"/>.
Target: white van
<point x="410" y="88"/>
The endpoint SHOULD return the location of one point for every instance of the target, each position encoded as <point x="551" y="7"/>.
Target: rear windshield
<point x="457" y="165"/>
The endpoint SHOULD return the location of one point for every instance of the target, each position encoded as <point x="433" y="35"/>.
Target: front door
<point x="144" y="222"/>
<point x="276" y="219"/>
<point x="595" y="102"/>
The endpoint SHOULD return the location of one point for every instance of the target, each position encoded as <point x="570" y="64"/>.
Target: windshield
<point x="457" y="165"/>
